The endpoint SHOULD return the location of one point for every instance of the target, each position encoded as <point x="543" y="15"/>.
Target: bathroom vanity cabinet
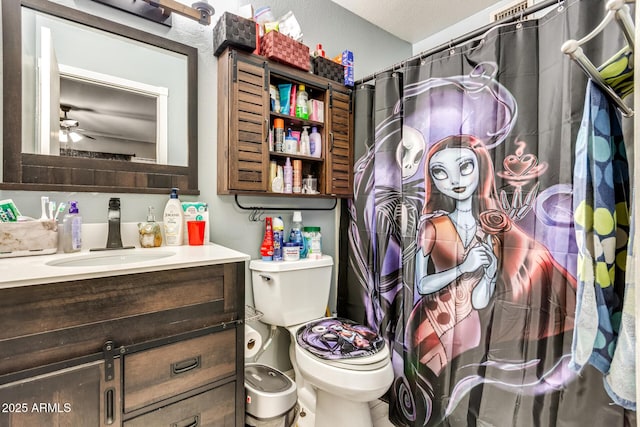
<point x="161" y="348"/>
<point x="245" y="118"/>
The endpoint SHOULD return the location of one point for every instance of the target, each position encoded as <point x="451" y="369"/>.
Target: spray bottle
<point x="266" y="249"/>
<point x="278" y="238"/>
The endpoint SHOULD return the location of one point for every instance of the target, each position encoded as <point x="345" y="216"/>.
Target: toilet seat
<point x="342" y="343"/>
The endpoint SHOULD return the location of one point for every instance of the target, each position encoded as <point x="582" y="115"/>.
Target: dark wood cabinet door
<point x="339" y="156"/>
<point x="243" y="125"/>
<point x="71" y="397"/>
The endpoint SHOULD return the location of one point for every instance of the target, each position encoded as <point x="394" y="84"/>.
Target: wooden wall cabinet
<point x="160" y="348"/>
<point x="245" y="118"/>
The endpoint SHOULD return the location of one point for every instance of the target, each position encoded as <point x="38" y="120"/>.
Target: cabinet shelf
<point x="296" y="121"/>
<point x="296" y="156"/>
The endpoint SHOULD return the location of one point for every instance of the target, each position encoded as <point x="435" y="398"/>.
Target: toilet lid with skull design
<point x="338" y="338"/>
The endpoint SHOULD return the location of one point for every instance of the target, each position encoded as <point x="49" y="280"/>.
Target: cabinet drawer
<point x="159" y="373"/>
<point x="212" y="408"/>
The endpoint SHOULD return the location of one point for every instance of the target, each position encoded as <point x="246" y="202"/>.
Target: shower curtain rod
<point x="465" y="38"/>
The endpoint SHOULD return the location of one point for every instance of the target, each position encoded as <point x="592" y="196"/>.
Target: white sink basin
<point x="109" y="258"/>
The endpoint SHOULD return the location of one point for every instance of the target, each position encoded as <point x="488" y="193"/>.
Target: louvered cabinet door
<point x="243" y="147"/>
<point x="339" y="156"/>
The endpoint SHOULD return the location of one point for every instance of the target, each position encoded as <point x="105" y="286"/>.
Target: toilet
<point x="340" y="366"/>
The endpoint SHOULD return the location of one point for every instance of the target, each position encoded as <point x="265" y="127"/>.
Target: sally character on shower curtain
<point x="474" y="265"/>
<point x="491" y="304"/>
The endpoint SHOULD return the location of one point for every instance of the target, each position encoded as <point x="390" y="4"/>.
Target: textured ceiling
<point x="414" y="20"/>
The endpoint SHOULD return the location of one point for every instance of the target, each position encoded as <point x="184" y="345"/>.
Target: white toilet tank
<point x="291" y="292"/>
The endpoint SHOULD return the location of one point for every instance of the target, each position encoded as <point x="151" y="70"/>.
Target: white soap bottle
<point x="304" y="141"/>
<point x="173" y="220"/>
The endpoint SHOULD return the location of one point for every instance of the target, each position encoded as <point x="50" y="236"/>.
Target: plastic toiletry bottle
<point x="173" y="220"/>
<point x="150" y="233"/>
<point x="315" y="143"/>
<point x="290" y="143"/>
<point x="295" y="236"/>
<point x="319" y="51"/>
<point x="304" y="141"/>
<point x="297" y="176"/>
<point x="266" y="249"/>
<point x="288" y="176"/>
<point x="313" y="241"/>
<point x="278" y="238"/>
<point x="277" y="185"/>
<point x="302" y="110"/>
<point x="72" y="229"/>
<point x="278" y="134"/>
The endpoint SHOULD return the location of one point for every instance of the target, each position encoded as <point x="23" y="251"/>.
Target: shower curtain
<point x="461" y="246"/>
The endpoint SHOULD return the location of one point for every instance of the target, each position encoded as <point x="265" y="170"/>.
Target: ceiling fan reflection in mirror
<point x="69" y="128"/>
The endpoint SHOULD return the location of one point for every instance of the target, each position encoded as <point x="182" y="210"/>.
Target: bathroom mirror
<point x="93" y="105"/>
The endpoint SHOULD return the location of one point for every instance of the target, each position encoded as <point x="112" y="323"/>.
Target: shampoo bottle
<point x="315" y="143"/>
<point x="173" y="220"/>
<point x="72" y="229"/>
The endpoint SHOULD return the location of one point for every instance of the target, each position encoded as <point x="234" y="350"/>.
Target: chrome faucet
<point x="114" y="240"/>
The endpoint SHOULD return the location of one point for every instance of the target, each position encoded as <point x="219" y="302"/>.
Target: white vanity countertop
<point x="34" y="270"/>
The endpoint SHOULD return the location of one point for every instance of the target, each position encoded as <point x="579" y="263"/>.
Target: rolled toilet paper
<point x="252" y="341"/>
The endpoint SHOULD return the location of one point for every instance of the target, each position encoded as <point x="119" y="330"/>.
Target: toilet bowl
<point x="340" y="366"/>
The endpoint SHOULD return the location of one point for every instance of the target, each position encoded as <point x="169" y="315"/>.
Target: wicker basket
<point x="236" y="31"/>
<point x="278" y="47"/>
<point x="329" y="69"/>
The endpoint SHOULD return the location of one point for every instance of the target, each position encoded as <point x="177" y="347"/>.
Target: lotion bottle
<point x="173" y="220"/>
<point x="315" y="142"/>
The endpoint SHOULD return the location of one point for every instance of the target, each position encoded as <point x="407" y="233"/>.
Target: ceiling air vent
<point x="513" y="9"/>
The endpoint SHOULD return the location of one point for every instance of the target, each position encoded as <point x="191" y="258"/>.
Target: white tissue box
<point x="28" y="238"/>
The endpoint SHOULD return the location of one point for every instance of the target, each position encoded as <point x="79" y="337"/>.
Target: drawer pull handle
<point x="188" y="422"/>
<point x="185" y="365"/>
<point x="109" y="409"/>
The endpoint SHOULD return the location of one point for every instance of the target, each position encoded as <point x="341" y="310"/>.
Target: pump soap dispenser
<point x="150" y="233"/>
<point x="173" y="220"/>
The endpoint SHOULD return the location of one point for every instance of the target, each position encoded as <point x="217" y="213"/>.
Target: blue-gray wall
<point x="322" y="22"/>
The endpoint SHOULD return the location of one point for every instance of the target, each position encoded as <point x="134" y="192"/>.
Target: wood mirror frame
<point x="26" y="171"/>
